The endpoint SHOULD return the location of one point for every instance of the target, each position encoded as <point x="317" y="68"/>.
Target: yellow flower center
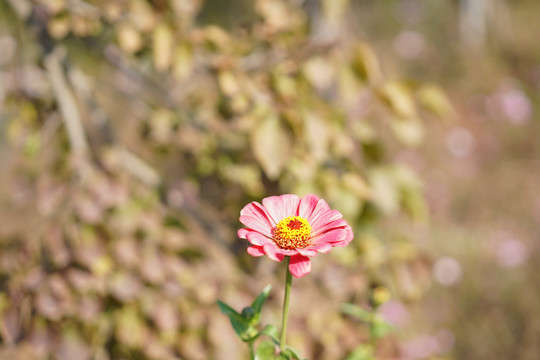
<point x="293" y="232"/>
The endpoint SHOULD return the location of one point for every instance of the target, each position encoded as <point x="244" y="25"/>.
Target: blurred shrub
<point x="131" y="135"/>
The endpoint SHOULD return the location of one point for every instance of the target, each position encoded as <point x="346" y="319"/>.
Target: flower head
<point x="287" y="225"/>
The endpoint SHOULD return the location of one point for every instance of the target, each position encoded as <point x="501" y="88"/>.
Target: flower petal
<point x="323" y="219"/>
<point x="332" y="237"/>
<point x="329" y="226"/>
<point x="280" y="207"/>
<point x="322" y="247"/>
<point x="307" y="205"/>
<point x="259" y="239"/>
<point x="307" y="252"/>
<point x="255" y="251"/>
<point x="242" y="233"/>
<point x="286" y="252"/>
<point x="257" y="224"/>
<point x="320" y="208"/>
<point x="299" y="266"/>
<point x="273" y="252"/>
<point x="257" y="210"/>
<point x="348" y="237"/>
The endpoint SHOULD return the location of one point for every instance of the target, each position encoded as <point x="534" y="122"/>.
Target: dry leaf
<point x="271" y="143"/>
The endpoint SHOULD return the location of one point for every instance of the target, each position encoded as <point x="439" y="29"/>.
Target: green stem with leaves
<point x="285" y="316"/>
<point x="372" y="337"/>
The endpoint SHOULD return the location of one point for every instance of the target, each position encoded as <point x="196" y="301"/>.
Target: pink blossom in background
<point x="447" y="271"/>
<point x="395" y="313"/>
<point x="516" y="106"/>
<point x="421" y="347"/>
<point x="509" y="103"/>
<point x="427" y="346"/>
<point x="460" y="142"/>
<point x="511" y="253"/>
<point x="287" y="225"/>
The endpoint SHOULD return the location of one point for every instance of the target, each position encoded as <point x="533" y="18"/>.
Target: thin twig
<point x="66" y="102"/>
<point x="139" y="168"/>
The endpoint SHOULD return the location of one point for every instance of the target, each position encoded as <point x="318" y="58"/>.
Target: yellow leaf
<point x="161" y="125"/>
<point x="130" y="328"/>
<point x="142" y="15"/>
<point x="334" y="10"/>
<point x="410" y="132"/>
<point x="318" y="136"/>
<point x="275" y="13"/>
<point x="217" y="38"/>
<point x="163" y="47"/>
<point x="349" y="86"/>
<point x="248" y="176"/>
<point x="384" y="191"/>
<point x="399" y="99"/>
<point x="285" y="86"/>
<point x="357" y="185"/>
<point x="366" y="64"/>
<point x="129" y="38"/>
<point x="320" y="72"/>
<point x="228" y="83"/>
<point x="59" y="27"/>
<point x="432" y="98"/>
<point x="183" y="61"/>
<point x="271" y="143"/>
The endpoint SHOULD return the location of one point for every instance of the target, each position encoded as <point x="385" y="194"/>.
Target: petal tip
<point x="299" y="266"/>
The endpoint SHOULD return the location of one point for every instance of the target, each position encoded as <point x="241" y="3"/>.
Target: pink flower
<point x="289" y="226"/>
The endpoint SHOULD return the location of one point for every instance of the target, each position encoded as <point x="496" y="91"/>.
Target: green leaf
<point x="272" y="332"/>
<point x="258" y="303"/>
<point x="381" y="328"/>
<point x="283" y="356"/>
<point x="265" y="351"/>
<point x="240" y="325"/>
<point x="357" y="312"/>
<point x="362" y="352"/>
<point x="292" y="353"/>
<point x="227" y="310"/>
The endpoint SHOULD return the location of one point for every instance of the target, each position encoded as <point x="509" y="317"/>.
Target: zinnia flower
<point x="289" y="226"/>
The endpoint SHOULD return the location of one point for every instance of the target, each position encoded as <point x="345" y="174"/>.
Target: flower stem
<point x="288" y="283"/>
<point x="251" y="351"/>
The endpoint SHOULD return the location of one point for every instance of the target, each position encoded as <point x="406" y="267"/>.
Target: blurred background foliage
<point x="133" y="131"/>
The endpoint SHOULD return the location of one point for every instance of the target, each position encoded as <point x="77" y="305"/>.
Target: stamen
<point x="293" y="232"/>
